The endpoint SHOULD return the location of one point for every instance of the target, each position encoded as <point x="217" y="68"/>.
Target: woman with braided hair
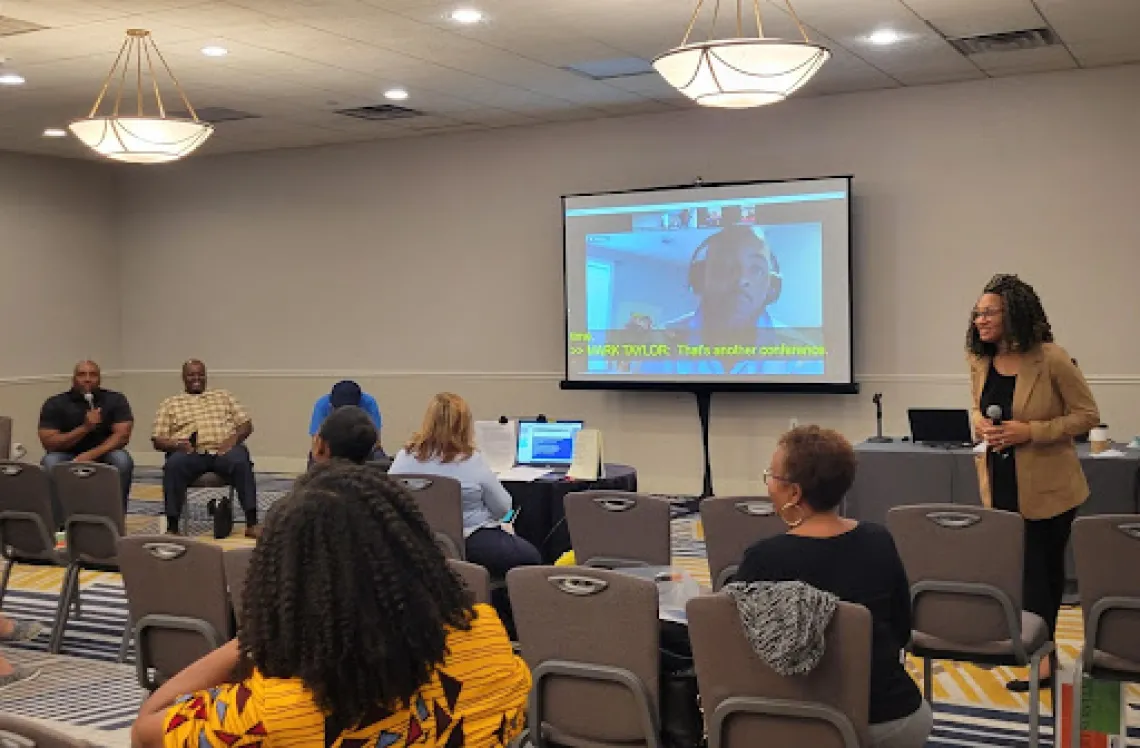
<point x="354" y="631"/>
<point x="1031" y="465"/>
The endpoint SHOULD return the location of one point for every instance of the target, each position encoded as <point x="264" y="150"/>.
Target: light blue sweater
<point x="485" y="501"/>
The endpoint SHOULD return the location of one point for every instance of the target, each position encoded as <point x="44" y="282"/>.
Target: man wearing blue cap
<point x="346" y="392"/>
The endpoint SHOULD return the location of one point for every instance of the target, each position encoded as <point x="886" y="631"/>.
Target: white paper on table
<point x="522" y="474"/>
<point x="496" y="441"/>
<point x="587" y="462"/>
<point x="980" y="448"/>
<point x="1108" y="453"/>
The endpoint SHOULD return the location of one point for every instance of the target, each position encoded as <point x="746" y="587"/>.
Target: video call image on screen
<point x="744" y="283"/>
<point x="547" y="443"/>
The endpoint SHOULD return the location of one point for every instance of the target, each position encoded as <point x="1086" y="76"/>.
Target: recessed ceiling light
<point x="466" y="15"/>
<point x="55" y="132"/>
<point x="396" y="94"/>
<point x="215" y="51"/>
<point x="9" y="78"/>
<point x="884" y="37"/>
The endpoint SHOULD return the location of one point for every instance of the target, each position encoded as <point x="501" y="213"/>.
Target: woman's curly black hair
<point x="1025" y="325"/>
<point x="348" y="591"/>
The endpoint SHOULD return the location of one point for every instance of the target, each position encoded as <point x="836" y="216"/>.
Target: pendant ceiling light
<point x="744" y="71"/>
<point x="138" y="137"/>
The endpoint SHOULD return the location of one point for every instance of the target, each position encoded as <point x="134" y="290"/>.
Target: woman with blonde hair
<point x="445" y="446"/>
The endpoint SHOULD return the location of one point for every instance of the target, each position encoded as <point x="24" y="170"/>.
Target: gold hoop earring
<point x="799" y="520"/>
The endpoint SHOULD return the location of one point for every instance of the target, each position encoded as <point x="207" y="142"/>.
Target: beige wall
<point x="432" y="264"/>
<point x="59" y="280"/>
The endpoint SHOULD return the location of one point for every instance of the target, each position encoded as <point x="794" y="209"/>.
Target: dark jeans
<point x="498" y="551"/>
<point x="120" y="459"/>
<point x="181" y="469"/>
<point x="1045" y="541"/>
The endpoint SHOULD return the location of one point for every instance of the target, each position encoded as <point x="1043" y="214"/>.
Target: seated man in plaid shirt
<point x="202" y="431"/>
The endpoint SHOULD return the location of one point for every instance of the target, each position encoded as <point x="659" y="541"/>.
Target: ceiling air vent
<point x="620" y="67"/>
<point x="380" y="112"/>
<point x="13" y="26"/>
<point x="216" y="114"/>
<point x="1006" y="41"/>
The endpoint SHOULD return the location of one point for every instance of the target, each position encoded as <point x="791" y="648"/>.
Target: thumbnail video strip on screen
<point x="729" y="284"/>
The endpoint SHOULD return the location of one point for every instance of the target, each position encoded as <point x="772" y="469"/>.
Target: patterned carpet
<point x="93" y="697"/>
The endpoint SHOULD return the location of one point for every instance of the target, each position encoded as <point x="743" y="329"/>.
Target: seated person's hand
<point x="227" y="445"/>
<point x="85" y="457"/>
<point x="183" y="445"/>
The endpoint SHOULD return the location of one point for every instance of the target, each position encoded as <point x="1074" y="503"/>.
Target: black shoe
<point x="1021" y="685"/>
<point x="1017" y="685"/>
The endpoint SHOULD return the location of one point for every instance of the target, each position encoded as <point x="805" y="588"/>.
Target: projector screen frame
<point x="707" y="387"/>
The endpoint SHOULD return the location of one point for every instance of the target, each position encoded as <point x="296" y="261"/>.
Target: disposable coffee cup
<point x="1098" y="439"/>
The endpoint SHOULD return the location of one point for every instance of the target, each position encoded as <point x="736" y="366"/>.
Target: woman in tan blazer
<point x="1031" y="466"/>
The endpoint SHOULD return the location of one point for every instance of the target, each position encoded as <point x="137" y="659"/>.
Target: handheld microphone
<point x="994" y="414"/>
<point x="90" y="398"/>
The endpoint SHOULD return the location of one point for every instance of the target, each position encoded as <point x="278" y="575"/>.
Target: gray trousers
<point x="909" y="732"/>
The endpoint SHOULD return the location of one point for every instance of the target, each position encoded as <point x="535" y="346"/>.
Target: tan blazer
<point x="1051" y="395"/>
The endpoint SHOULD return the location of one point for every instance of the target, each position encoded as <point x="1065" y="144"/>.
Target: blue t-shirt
<point x="323" y="408"/>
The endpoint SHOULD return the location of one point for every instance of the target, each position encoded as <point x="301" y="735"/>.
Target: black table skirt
<point x="542" y="514"/>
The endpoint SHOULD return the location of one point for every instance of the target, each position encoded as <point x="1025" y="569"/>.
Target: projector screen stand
<point x="704" y="400"/>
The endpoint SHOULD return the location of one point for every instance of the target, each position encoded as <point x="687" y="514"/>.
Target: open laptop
<point x="547" y="444"/>
<point x="940" y="427"/>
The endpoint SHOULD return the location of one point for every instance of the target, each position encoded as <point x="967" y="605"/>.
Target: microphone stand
<point x="878" y="438"/>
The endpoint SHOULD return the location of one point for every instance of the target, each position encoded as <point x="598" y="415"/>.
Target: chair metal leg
<point x="63" y="608"/>
<point x="928" y="680"/>
<point x="7" y="576"/>
<point x="125" y="644"/>
<point x="1034" y="700"/>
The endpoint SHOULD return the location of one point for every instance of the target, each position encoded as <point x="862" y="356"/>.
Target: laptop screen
<point x="547" y="444"/>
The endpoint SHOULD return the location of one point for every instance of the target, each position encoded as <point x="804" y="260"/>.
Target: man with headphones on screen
<point x="736" y="277"/>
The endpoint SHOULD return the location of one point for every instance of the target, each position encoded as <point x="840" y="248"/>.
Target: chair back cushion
<point x="727" y="667"/>
<point x="967" y="544"/>
<point x="25" y="495"/>
<point x="732" y="524"/>
<point x="440" y="500"/>
<point x="618" y="525"/>
<point x="1106" y="549"/>
<point x="595" y="617"/>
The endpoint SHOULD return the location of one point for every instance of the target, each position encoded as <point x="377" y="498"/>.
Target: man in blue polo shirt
<point x="346" y="392"/>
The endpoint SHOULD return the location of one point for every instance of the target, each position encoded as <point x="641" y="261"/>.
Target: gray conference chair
<point x="611" y="529"/>
<point x="474" y="577"/>
<point x="732" y="524"/>
<point x="27" y="522"/>
<point x="965" y="570"/>
<point x="90" y="496"/>
<point x="746" y="703"/>
<point x="179" y="607"/>
<point x="440" y="500"/>
<point x="1107" y="553"/>
<point x="590" y="637"/>
<point x="16" y="732"/>
<point x="236" y="561"/>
